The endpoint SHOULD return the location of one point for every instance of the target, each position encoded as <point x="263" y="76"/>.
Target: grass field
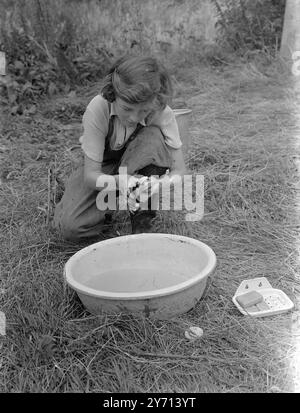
<point x="244" y="133"/>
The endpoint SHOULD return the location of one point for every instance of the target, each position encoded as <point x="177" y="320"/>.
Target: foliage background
<point x="52" y="46"/>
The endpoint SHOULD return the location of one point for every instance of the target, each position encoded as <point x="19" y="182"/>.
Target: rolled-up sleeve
<point x="95" y="128"/>
<point x="167" y="123"/>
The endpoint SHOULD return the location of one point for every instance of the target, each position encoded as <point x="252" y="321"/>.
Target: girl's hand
<point x="145" y="188"/>
<point x="133" y="183"/>
<point x="124" y="183"/>
<point x="134" y="192"/>
<point x="132" y="203"/>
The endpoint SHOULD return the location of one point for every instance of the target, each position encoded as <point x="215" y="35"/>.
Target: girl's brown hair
<point x="138" y="79"/>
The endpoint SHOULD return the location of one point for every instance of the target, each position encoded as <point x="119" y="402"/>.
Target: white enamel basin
<point x="158" y="274"/>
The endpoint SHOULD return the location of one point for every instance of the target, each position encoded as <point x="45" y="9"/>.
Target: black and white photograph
<point x="149" y="199"/>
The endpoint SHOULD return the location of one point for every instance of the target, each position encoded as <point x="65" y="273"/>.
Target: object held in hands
<point x="2" y="64"/>
<point x="133" y="193"/>
<point x="141" y="191"/>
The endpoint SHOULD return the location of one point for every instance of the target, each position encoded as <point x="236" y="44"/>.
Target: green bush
<point x="53" y="46"/>
<point x="45" y="52"/>
<point x="250" y="24"/>
<point x="30" y="71"/>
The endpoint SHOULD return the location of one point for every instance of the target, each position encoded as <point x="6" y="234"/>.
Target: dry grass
<point x="244" y="138"/>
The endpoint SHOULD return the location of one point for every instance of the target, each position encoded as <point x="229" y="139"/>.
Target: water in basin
<point x="134" y="279"/>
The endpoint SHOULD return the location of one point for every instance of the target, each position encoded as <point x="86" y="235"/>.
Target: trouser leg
<point x="76" y="216"/>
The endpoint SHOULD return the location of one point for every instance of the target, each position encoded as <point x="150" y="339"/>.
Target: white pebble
<point x="192" y="333"/>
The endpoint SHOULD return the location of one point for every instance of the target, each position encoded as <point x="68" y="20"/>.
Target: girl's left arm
<point x="167" y="123"/>
<point x="178" y="165"/>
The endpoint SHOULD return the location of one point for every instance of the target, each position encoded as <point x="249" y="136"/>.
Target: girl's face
<point x="131" y="114"/>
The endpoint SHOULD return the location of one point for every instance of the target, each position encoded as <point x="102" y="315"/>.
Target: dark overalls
<point x="145" y="153"/>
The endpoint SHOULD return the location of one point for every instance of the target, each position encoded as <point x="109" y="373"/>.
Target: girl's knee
<point x="150" y="137"/>
<point x="154" y="132"/>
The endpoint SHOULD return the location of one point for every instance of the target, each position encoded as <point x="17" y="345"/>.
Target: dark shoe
<point x="108" y="218"/>
<point x="141" y="221"/>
